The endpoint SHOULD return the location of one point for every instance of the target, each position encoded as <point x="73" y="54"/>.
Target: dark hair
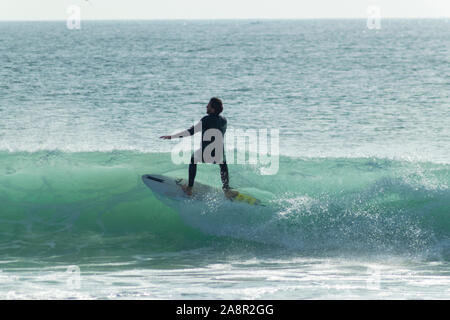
<point x="216" y="104"/>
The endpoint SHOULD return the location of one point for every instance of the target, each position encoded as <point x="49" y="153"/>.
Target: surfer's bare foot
<point x="187" y="189"/>
<point x="230" y="194"/>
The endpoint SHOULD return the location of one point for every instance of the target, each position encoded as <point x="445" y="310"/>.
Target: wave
<point x="55" y="202"/>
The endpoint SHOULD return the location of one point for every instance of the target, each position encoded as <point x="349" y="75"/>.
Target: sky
<point x="220" y="9"/>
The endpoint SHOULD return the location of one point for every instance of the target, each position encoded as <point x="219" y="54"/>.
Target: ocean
<point x="359" y="207"/>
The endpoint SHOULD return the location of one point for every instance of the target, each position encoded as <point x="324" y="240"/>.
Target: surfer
<point x="213" y="120"/>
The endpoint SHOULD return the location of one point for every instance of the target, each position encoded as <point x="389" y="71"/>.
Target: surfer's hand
<point x="166" y="137"/>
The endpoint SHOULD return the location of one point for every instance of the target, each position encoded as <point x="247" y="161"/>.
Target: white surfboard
<point x="171" y="188"/>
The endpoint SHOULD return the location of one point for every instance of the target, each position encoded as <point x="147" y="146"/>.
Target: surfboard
<point x="171" y="187"/>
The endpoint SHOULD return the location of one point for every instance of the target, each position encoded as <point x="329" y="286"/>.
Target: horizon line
<point x="224" y="19"/>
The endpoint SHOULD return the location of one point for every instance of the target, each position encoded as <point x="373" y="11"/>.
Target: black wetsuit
<point x="211" y="121"/>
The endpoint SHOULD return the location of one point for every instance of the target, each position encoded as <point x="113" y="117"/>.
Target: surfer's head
<point x="214" y="106"/>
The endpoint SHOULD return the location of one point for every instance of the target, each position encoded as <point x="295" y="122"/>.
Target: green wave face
<point x="84" y="204"/>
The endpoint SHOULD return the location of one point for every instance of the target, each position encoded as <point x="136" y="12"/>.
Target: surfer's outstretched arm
<point x="186" y="133"/>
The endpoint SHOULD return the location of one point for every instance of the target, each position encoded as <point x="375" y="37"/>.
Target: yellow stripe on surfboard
<point x="244" y="198"/>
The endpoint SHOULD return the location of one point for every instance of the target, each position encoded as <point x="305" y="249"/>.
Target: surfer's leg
<point x="224" y="176"/>
<point x="192" y="172"/>
<point x="226" y="181"/>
